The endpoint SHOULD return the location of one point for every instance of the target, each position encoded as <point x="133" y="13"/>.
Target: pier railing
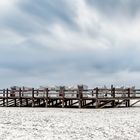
<point x="96" y="97"/>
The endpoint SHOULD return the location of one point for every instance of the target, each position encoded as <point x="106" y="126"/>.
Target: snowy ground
<point x="69" y="124"/>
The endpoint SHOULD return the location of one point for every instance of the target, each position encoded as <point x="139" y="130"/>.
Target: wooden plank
<point x="135" y="103"/>
<point x="120" y="103"/>
<point x="87" y="104"/>
<point x="104" y="104"/>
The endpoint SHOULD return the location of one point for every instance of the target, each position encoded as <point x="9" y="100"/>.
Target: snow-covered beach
<point x="69" y="124"/>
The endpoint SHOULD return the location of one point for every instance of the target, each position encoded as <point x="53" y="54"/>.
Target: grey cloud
<point x="51" y="61"/>
<point x="48" y="10"/>
<point x="116" y="8"/>
<point x="34" y="17"/>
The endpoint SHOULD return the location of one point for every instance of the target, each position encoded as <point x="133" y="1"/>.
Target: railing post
<point x="7" y="91"/>
<point x="128" y="104"/>
<point x="20" y="100"/>
<point x="113" y="94"/>
<point x="128" y="92"/>
<point x="33" y="103"/>
<point x="3" y="97"/>
<point x="97" y="92"/>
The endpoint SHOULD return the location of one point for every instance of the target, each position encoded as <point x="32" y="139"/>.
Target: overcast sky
<point x="53" y="42"/>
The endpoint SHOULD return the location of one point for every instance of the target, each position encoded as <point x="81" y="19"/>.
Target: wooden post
<point x="33" y="103"/>
<point x="92" y="102"/>
<point x="128" y="92"/>
<point x="7" y="97"/>
<point x="126" y="103"/>
<point x="92" y="93"/>
<point x="52" y="102"/>
<point x="49" y="101"/>
<point x="63" y="96"/>
<point x="84" y="102"/>
<point x="3" y="97"/>
<point x="113" y="94"/>
<point x="20" y="100"/>
<point x="92" y="97"/>
<point x="128" y="97"/>
<point x="46" y="98"/>
<point x="80" y="92"/>
<point x="38" y="102"/>
<point x="37" y="92"/>
<point x="69" y="103"/>
<point x="112" y="88"/>
<point x="66" y="103"/>
<point x="15" y="102"/>
<point x="26" y="102"/>
<point x="97" y="92"/>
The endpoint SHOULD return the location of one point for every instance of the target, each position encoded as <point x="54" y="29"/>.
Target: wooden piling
<point x="7" y="91"/>
<point x="80" y="92"/>
<point x="20" y="99"/>
<point x="46" y="97"/>
<point x="113" y="95"/>
<point x="4" y="97"/>
<point x="15" y="102"/>
<point x="128" y="102"/>
<point x="62" y="93"/>
<point x="97" y="101"/>
<point x="33" y="102"/>
<point x="26" y="102"/>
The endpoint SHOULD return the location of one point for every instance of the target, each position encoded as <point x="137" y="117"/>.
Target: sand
<point x="69" y="124"/>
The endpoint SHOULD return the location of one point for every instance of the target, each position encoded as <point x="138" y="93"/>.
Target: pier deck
<point x="80" y="98"/>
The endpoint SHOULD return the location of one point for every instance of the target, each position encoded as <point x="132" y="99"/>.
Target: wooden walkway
<point x="68" y="98"/>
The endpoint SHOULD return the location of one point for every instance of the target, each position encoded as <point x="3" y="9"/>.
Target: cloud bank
<point x="69" y="42"/>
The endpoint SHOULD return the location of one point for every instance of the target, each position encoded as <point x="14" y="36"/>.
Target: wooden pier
<point x="69" y="98"/>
